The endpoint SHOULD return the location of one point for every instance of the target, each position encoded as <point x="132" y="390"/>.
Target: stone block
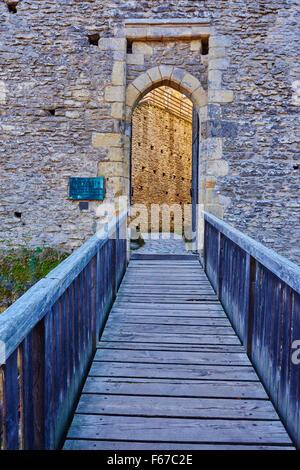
<point x="132" y="94"/>
<point x="154" y="74"/>
<point x="217" y="53"/>
<point x="81" y="94"/>
<point x="177" y="75"/>
<point x="136" y="33"/>
<point x="216" y="209"/>
<point x="218" y="64"/>
<point x="135" y="59"/>
<point x="113" y="44"/>
<point x="166" y="71"/>
<point x="141" y="48"/>
<point x="200" y="30"/>
<point x="219" y="41"/>
<point x="203" y="113"/>
<point x="220" y="96"/>
<point x="114" y="93"/>
<point x="128" y="113"/>
<point x="72" y="114"/>
<point x="115" y="154"/>
<point x="210" y="182"/>
<point x="117" y="110"/>
<point x="120" y="56"/>
<point x="101" y="139"/>
<point x="200" y="97"/>
<point x="190" y="82"/>
<point x="3" y="92"/>
<point x="214" y="111"/>
<point x="196" y="45"/>
<point x="212" y="148"/>
<point x="215" y="79"/>
<point x="114" y="186"/>
<point x="110" y="169"/>
<point x="119" y="74"/>
<point x="217" y="168"/>
<point x="142" y="82"/>
<point x="216" y="128"/>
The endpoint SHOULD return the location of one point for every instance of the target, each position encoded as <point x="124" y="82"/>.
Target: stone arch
<point x="153" y="78"/>
<point x="164" y="75"/>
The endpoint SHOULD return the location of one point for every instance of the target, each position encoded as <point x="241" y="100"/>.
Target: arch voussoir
<point x="165" y="74"/>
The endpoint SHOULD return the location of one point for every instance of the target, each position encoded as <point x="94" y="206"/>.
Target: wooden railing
<point x="48" y="339"/>
<point x="260" y="291"/>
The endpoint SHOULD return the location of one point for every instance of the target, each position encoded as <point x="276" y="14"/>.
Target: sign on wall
<point x="86" y="188"/>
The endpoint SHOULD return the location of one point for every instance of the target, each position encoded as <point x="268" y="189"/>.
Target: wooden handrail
<point x="50" y="336"/>
<point x="260" y="292"/>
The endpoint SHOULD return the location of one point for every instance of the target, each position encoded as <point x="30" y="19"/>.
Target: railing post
<point x="26" y="383"/>
<point x="38" y="352"/>
<point x="205" y="247"/>
<point x="48" y="382"/>
<point x="10" y="403"/>
<point x="220" y="264"/>
<point x="249" y="302"/>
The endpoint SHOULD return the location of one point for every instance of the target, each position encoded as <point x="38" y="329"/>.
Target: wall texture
<point x="62" y="110"/>
<point x="161" y="157"/>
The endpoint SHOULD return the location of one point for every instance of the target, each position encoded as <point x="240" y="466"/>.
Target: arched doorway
<point x="161" y="158"/>
<point x="190" y="90"/>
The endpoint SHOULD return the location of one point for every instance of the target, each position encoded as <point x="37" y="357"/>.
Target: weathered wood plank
<point x="168" y="299"/>
<point x="85" y="444"/>
<point x="171" y="338"/>
<point x="188" y="308"/>
<point x="170" y="347"/>
<point x="177" y="430"/>
<point x="135" y="328"/>
<point x="171" y="357"/>
<point x="174" y="314"/>
<point x="177" y="407"/>
<point x="120" y="318"/>
<point x="175" y="387"/>
<point x="179" y="371"/>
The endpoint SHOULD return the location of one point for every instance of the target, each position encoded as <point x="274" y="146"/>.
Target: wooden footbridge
<point x="189" y="358"/>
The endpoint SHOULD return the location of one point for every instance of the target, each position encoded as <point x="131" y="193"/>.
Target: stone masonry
<point x="72" y="72"/>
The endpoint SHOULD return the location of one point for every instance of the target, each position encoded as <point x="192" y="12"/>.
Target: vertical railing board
<point x="211" y="261"/>
<point x="26" y="395"/>
<point x="248" y="302"/>
<point x="63" y="339"/>
<point x="94" y="301"/>
<point x="234" y="288"/>
<point x="48" y="381"/>
<point x="71" y="321"/>
<point x="11" y="403"/>
<point x="57" y="360"/>
<point x="285" y="352"/>
<point x="275" y="341"/>
<point x="38" y="367"/>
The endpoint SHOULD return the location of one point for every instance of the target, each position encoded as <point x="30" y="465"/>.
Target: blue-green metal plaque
<point x="91" y="189"/>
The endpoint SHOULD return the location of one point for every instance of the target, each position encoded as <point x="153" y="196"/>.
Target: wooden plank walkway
<point x="170" y="372"/>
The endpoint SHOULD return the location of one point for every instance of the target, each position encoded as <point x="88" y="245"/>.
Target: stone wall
<point x="161" y="157"/>
<point x="63" y="78"/>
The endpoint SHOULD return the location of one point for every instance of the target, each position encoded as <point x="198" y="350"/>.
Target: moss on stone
<point x="21" y="268"/>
